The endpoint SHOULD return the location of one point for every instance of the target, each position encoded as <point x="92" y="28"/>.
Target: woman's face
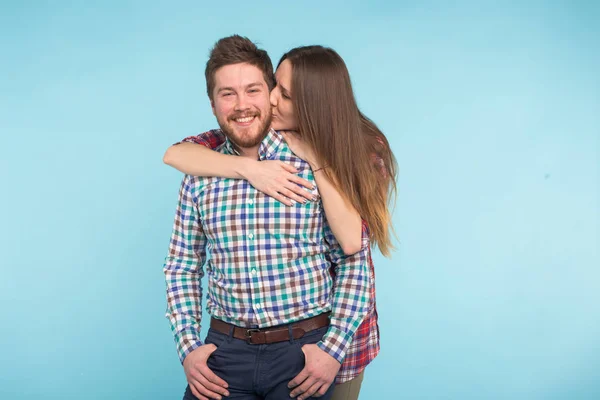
<point x="281" y="99"/>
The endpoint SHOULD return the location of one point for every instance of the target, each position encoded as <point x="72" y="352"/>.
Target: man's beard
<point x="245" y="141"/>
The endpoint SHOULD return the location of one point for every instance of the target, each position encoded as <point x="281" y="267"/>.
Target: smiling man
<point x="240" y="105"/>
<point x="271" y="295"/>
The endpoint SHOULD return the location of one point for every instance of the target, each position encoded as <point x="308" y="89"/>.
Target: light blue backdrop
<point x="493" y="112"/>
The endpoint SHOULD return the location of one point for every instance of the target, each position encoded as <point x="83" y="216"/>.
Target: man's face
<point x="241" y="104"/>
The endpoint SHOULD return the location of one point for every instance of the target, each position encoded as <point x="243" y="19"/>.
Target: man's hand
<point x="279" y="180"/>
<point x="203" y="382"/>
<point x="317" y="375"/>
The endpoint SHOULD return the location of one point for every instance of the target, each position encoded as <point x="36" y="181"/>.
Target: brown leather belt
<point x="272" y="335"/>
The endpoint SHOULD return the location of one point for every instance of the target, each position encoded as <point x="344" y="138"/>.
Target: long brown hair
<point x="357" y="154"/>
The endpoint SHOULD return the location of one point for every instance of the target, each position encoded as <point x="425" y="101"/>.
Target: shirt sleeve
<point x="211" y="139"/>
<point x="351" y="291"/>
<point x="183" y="270"/>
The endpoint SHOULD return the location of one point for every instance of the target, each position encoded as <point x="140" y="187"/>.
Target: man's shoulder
<point x="211" y="139"/>
<point x="198" y="186"/>
<point x="285" y="154"/>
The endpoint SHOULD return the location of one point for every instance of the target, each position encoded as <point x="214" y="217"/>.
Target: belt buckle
<point x="249" y="333"/>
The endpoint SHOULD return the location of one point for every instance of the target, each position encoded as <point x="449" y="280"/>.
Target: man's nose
<point x="241" y="103"/>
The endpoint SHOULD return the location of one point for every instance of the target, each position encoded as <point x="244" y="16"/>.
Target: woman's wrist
<point x="244" y="165"/>
<point x="314" y="165"/>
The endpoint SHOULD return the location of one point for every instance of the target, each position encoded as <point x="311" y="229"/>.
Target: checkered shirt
<point x="365" y="343"/>
<point x="267" y="264"/>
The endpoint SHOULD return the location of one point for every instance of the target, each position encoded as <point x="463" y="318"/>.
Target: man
<point x="277" y="316"/>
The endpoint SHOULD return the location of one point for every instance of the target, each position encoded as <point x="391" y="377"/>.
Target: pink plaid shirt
<point x="365" y="344"/>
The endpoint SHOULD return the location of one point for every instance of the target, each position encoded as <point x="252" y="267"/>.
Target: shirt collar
<point x="269" y="145"/>
<point x="230" y="147"/>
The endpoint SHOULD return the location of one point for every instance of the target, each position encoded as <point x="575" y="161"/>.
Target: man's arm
<point x="351" y="292"/>
<point x="183" y="273"/>
<point x="183" y="270"/>
<point x="350" y="304"/>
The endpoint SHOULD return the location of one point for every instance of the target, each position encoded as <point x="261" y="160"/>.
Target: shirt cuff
<point x="335" y="343"/>
<point x="187" y="341"/>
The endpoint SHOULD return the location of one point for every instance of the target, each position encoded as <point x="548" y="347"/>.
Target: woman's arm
<point x="275" y="178"/>
<point x="344" y="220"/>
<point x="195" y="160"/>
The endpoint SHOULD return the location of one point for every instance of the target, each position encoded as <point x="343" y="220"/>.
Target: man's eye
<point x="253" y="90"/>
<point x="227" y="94"/>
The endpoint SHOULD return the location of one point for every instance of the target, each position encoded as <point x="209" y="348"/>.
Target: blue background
<point x="493" y="112"/>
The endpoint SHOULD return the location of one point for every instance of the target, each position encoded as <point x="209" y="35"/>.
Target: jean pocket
<point x="312" y="337"/>
<point x="217" y="338"/>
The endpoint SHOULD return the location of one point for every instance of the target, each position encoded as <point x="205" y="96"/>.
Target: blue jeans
<point x="258" y="371"/>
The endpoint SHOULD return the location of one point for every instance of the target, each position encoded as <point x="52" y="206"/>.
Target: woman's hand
<point x="300" y="148"/>
<point x="279" y="180"/>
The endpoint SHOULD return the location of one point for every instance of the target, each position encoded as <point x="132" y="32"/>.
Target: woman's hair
<point x="356" y="153"/>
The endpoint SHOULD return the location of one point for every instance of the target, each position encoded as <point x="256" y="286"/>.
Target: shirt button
<point x="250" y="202"/>
<point x="257" y="306"/>
<point x="251" y="236"/>
<point x="253" y="271"/>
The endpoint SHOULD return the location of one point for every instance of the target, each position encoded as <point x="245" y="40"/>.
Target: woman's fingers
<point x="281" y="198"/>
<point x="300" y="191"/>
<point x="289" y="168"/>
<point x="293" y="196"/>
<point x="301" y="181"/>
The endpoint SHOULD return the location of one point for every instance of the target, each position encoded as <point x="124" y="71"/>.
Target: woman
<point x="352" y="162"/>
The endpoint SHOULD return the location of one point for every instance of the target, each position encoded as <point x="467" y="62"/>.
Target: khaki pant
<point x="348" y="390"/>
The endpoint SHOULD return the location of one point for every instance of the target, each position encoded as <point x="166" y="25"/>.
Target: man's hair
<point x="235" y="50"/>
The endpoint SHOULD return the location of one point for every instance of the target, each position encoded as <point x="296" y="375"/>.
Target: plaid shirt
<point x="365" y="344"/>
<point x="267" y="264"/>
